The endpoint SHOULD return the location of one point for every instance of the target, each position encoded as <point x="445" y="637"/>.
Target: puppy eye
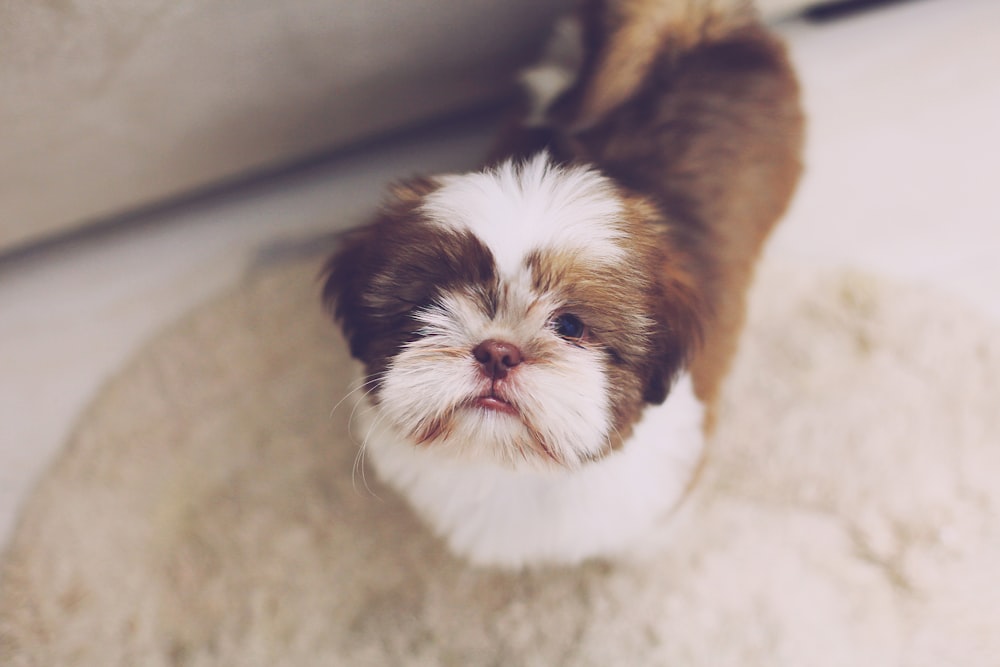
<point x="569" y="327"/>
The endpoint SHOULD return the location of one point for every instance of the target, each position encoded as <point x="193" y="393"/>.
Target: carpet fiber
<point x="205" y="512"/>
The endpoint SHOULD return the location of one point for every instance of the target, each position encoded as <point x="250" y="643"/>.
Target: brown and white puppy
<point x="543" y="340"/>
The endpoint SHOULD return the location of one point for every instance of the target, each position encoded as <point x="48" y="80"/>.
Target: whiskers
<point x="366" y="386"/>
<point x="359" y="458"/>
<point x="434" y="398"/>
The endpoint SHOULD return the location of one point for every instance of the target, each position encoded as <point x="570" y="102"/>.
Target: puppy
<point x="543" y="340"/>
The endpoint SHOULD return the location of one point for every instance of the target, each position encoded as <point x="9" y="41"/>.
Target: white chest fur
<point x="493" y="515"/>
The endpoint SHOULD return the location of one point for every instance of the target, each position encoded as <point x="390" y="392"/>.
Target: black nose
<point x="496" y="357"/>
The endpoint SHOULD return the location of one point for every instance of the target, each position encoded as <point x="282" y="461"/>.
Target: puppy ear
<point x="363" y="254"/>
<point x="345" y="275"/>
<point x="679" y="311"/>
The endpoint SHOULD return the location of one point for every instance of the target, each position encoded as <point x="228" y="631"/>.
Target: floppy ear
<point x="345" y="276"/>
<point x="679" y="310"/>
<point x="667" y="274"/>
<point x="364" y="253"/>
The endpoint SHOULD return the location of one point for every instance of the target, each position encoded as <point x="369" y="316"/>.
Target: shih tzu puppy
<point x="543" y="340"/>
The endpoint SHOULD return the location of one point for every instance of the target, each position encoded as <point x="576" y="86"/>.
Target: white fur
<point x="560" y="390"/>
<point x="518" y="208"/>
<point x="565" y="398"/>
<point x="494" y="515"/>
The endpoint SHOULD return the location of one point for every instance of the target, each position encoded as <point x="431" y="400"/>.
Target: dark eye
<point x="569" y="326"/>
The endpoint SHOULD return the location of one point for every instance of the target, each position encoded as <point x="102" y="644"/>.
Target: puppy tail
<point x="599" y="57"/>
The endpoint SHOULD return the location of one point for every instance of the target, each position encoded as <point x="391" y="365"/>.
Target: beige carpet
<point x="204" y="512"/>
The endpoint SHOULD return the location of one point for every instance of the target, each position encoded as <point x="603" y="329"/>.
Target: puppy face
<point x="523" y="315"/>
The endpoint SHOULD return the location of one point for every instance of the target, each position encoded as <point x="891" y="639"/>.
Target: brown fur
<point x="388" y="268"/>
<point x="625" y="38"/>
<point x="695" y="107"/>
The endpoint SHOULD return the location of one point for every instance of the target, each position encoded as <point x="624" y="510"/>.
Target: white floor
<point x="903" y="164"/>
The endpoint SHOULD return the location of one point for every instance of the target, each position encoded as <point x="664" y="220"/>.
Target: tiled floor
<point x="903" y="160"/>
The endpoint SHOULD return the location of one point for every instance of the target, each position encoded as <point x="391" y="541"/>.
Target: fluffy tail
<point x="597" y="58"/>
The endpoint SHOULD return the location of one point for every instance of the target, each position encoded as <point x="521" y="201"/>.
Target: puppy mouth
<point x="491" y="401"/>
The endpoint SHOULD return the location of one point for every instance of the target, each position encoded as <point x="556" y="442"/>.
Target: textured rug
<point x="208" y="509"/>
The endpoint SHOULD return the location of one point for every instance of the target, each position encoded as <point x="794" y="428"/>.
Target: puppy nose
<point x="496" y="357"/>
